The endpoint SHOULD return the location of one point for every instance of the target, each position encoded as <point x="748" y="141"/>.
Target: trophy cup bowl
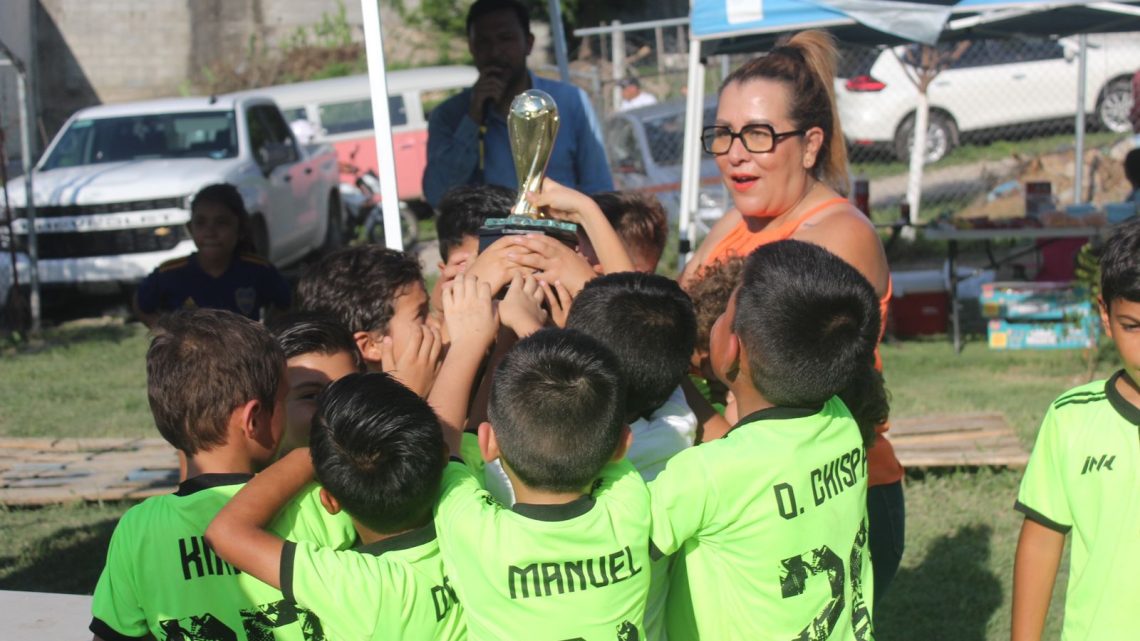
<point x="532" y="126"/>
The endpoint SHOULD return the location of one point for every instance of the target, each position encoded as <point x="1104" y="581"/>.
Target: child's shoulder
<point x="254" y="260"/>
<point x="1081" y="399"/>
<point x="173" y="265"/>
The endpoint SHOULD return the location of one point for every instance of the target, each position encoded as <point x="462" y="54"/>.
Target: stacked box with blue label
<point x="1045" y="315"/>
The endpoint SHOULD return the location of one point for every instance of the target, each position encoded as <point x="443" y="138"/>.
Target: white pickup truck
<point x="112" y="190"/>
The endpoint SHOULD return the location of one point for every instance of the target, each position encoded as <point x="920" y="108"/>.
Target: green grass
<point x="956" y="573"/>
<point x="79" y="380"/>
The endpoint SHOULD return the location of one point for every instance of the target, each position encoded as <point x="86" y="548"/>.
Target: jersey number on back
<point x="796" y="570"/>
<point x="258" y="624"/>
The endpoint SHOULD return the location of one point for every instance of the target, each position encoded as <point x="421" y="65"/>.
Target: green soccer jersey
<point x="1084" y="477"/>
<point x="769" y="525"/>
<point x="392" y="589"/>
<point x="578" y="570"/>
<point x="161" y="578"/>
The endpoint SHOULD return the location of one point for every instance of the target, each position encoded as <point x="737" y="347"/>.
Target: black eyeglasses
<point x="758" y="139"/>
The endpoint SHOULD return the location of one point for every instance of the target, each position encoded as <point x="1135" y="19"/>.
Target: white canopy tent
<point x="722" y="26"/>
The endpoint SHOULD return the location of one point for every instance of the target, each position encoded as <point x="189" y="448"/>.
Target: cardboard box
<point x="1005" y="334"/>
<point x="1045" y="301"/>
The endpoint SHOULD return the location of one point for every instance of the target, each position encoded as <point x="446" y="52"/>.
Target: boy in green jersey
<point x="216" y="385"/>
<point x="378" y="453"/>
<point x="570" y="558"/>
<point x="770" y="521"/>
<point x="1084" y="477"/>
<point x="318" y="350"/>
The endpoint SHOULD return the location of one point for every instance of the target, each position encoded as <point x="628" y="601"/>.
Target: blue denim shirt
<point x="578" y="160"/>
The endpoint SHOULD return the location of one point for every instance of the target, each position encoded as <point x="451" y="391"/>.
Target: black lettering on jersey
<point x="198" y="560"/>
<point x="443" y="597"/>
<point x="627" y="632"/>
<point x="526" y="576"/>
<point x="561" y="577"/>
<point x="837" y="475"/>
<point x="786" y="500"/>
<point x="1094" y="464"/>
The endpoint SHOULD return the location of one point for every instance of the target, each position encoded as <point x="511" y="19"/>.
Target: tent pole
<point x="691" y="155"/>
<point x="382" y="123"/>
<point x="1079" y="152"/>
<point x="558" y="34"/>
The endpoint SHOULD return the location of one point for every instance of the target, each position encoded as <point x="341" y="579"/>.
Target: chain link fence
<point x="1002" y="114"/>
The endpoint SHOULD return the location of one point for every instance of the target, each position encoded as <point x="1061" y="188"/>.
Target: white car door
<point x="976" y="88"/>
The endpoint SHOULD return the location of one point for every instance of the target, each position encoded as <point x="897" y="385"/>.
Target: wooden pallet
<point x="954" y="440"/>
<point x="39" y="471"/>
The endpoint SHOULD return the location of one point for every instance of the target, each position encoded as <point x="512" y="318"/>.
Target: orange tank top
<point x="882" y="464"/>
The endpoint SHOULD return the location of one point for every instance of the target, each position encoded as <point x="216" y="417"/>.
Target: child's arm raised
<point x="238" y="534"/>
<point x="567" y="204"/>
<point x="417" y="365"/>
<point x="471" y="321"/>
<point x="1034" y="573"/>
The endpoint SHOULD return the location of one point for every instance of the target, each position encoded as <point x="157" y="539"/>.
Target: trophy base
<point x="495" y="228"/>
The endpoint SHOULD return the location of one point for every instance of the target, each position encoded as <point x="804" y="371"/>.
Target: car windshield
<point x="665" y="134"/>
<point x="90" y="141"/>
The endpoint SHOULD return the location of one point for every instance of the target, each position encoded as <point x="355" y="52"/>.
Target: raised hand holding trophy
<point x="532" y="126"/>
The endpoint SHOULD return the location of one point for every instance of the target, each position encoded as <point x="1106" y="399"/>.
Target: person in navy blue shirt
<point x="224" y="273"/>
<point x="468" y="143"/>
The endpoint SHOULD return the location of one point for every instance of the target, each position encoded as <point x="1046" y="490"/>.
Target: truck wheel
<point x="941" y="137"/>
<point x="260" y="236"/>
<point x="334" y="227"/>
<point x="1114" y="105"/>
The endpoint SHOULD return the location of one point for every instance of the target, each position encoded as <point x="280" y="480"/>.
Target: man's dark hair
<point x="483" y="7"/>
<point x="807" y="320"/>
<point x="203" y="364"/>
<point x="311" y="333"/>
<point x="557" y="405"/>
<point x="358" y="286"/>
<point x="639" y="220"/>
<point x="647" y="321"/>
<point x="378" y="449"/>
<point x="1132" y="167"/>
<point x="464" y="209"/>
<point x="1120" y="264"/>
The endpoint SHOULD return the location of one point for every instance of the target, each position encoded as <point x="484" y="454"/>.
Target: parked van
<point x="340" y="113"/>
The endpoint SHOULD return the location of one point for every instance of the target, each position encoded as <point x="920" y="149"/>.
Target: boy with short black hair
<point x="1082" y="477"/>
<point x="640" y="222"/>
<point x="378" y="454"/>
<point x="318" y="350"/>
<point x="215" y="384"/>
<point x="771" y="520"/>
<point x="654" y="358"/>
<point x="378" y="294"/>
<point x="570" y="559"/>
<point x="462" y="212"/>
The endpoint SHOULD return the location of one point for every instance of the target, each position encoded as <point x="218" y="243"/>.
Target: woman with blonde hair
<point x="781" y="153"/>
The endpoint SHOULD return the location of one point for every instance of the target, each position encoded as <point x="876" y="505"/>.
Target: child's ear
<point x="736" y="359"/>
<point x="624" y="442"/>
<point x="256" y="422"/>
<point x="1104" y="316"/>
<point x="488" y="444"/>
<point x="331" y="505"/>
<point x="370" y="346"/>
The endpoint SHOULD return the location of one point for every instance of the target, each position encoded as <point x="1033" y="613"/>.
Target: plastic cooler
<point x="920" y="304"/>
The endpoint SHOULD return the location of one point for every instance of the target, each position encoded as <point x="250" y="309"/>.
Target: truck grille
<point x="106" y="243"/>
<point x="56" y="211"/>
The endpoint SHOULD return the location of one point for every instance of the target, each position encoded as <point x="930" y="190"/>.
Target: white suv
<point x="994" y="84"/>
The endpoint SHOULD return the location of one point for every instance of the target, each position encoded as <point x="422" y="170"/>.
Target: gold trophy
<point x="532" y="125"/>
